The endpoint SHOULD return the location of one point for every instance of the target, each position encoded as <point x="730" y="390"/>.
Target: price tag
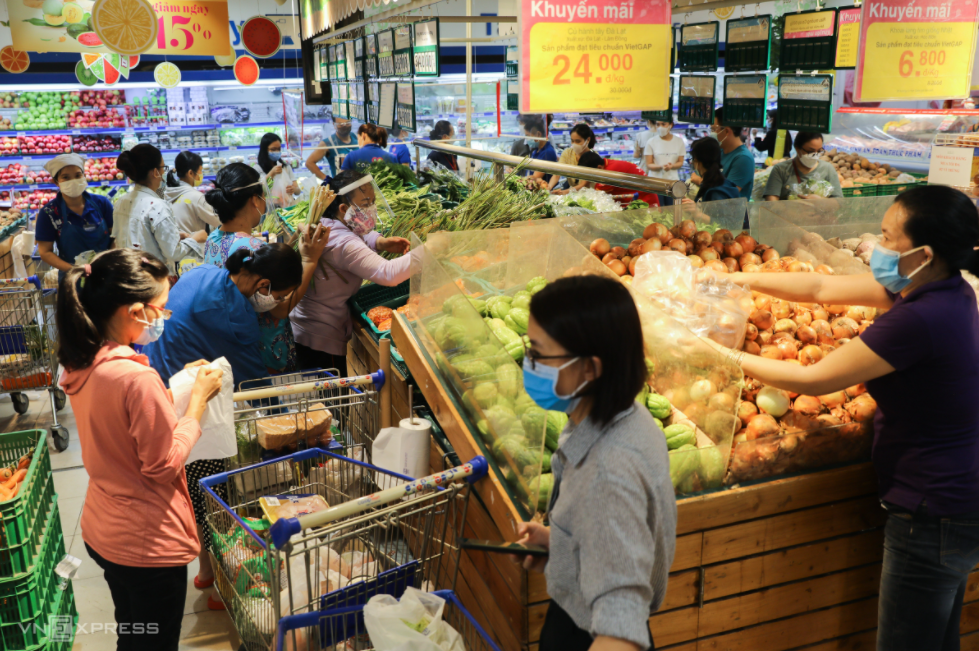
<point x="232" y="148"/>
<point x="698" y="47"/>
<point x="406" y="105"/>
<point x="32" y="187"/>
<point x="809" y="40"/>
<point x="744" y="100"/>
<point x="847" y="38"/>
<point x="75" y="132"/>
<point x="426" y="48"/>
<point x="21" y="134"/>
<point x="696" y="105"/>
<point x="599" y="56"/>
<point x="385" y="53"/>
<point x="27" y="158"/>
<point x="915" y="50"/>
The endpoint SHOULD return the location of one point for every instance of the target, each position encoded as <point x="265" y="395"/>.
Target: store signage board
<point x="915" y="50"/>
<point x="403" y="58"/>
<point x="373" y="101"/>
<point x="406" y="105"/>
<point x="593" y="56"/>
<point x="512" y="58"/>
<point x="748" y="45"/>
<point x="385" y="53"/>
<point x="847" y="38"/>
<point x="359" y="69"/>
<point x="809" y="41"/>
<point x="351" y="61"/>
<point x="696" y="103"/>
<point x="371" y="54"/>
<point x="341" y="62"/>
<point x="805" y="102"/>
<point x="744" y="101"/>
<point x="952" y="166"/>
<point x="661" y="116"/>
<point x="698" y="47"/>
<point x="389" y="97"/>
<point x="426" y="48"/>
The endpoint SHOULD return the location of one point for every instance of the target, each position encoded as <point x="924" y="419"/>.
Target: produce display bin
<point x="373" y="295"/>
<point x="18" y="515"/>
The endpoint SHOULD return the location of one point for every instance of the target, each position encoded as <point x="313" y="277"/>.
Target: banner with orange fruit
<point x="182" y="27"/>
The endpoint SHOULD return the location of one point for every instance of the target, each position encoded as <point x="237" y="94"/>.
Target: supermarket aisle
<point x="202" y="629"/>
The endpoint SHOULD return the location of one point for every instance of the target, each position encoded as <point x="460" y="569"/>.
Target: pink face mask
<point x="361" y="220"/>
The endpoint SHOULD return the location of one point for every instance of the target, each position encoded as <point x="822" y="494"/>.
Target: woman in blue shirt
<point x="706" y="154"/>
<point x="534" y="127"/>
<point x="75" y="220"/>
<point x="399" y="147"/>
<point x="372" y="140"/>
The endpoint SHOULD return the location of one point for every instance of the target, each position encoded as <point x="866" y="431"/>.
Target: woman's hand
<point x="200" y="362"/>
<point x="393" y="245"/>
<point x="208" y="383"/>
<point x="295" y="188"/>
<point x="275" y="171"/>
<point x="534" y="533"/>
<point x="200" y="237"/>
<point x="687" y="200"/>
<point x="312" y="243"/>
<point x="667" y="167"/>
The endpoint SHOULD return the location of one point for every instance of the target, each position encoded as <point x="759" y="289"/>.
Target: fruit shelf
<point x="181" y="127"/>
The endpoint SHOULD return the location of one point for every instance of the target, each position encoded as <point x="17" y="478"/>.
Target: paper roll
<point x="416" y="424"/>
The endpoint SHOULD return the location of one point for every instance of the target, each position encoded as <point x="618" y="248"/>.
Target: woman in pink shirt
<point x="137" y="522"/>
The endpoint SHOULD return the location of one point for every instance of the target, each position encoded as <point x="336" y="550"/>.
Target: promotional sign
<point x="698" y="47"/>
<point x="661" y="116"/>
<point x="847" y="38"/>
<point x="371" y="40"/>
<point x="403" y="60"/>
<point x="805" y="102"/>
<point x="385" y="116"/>
<point x="915" y="50"/>
<point x="748" y="44"/>
<point x="593" y="55"/>
<point x="385" y="53"/>
<point x="744" y="101"/>
<point x="696" y="102"/>
<point x="426" y="48"/>
<point x="189" y="27"/>
<point x="406" y="105"/>
<point x="952" y="166"/>
<point x="809" y="41"/>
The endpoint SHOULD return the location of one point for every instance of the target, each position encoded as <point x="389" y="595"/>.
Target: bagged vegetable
<point x="412" y="624"/>
<point x="291" y="506"/>
<point x="818" y="187"/>
<point x="313" y="426"/>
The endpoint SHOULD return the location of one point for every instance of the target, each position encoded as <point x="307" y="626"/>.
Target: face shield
<point x="363" y="207"/>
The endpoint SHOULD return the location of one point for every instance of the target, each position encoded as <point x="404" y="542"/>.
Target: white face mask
<point x="662" y="132"/>
<point x="578" y="149"/>
<point x="73" y="188"/>
<point x="263" y="302"/>
<point x="809" y="160"/>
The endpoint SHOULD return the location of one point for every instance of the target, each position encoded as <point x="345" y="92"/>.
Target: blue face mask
<point x="152" y="332"/>
<point x="884" y="263"/>
<point x="541" y="385"/>
<point x="274" y="156"/>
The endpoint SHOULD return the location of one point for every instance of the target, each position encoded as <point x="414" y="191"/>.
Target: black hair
<point x="86" y="304"/>
<point x="139" y="161"/>
<point x="263" y="151"/>
<point x="279" y="263"/>
<point x="534" y="123"/>
<point x="719" y="117"/>
<point x="590" y="159"/>
<point x="341" y="180"/>
<point x="707" y="152"/>
<point x="804" y="137"/>
<point x="944" y="219"/>
<point x="186" y="161"/>
<point x="586" y="333"/>
<point x="586" y="133"/>
<point x="227" y="203"/>
<point x="441" y="129"/>
<point x="378" y="135"/>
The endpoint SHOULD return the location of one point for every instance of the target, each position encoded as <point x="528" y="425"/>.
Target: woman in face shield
<point x="75" y="220"/>
<point x="321" y="321"/>
<point x="239" y="199"/>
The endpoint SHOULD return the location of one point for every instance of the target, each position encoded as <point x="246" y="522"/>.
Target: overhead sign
<point x="809" y="41"/>
<point x="188" y="27"/>
<point x="594" y="55"/>
<point x="847" y="38"/>
<point x="915" y="50"/>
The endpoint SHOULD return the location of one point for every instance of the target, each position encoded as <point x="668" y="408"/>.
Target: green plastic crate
<point x="18" y="514"/>
<point x="18" y="559"/>
<point x="22" y="598"/>
<point x="371" y="296"/>
<point x="50" y="620"/>
<point x="862" y="191"/>
<point x="892" y="189"/>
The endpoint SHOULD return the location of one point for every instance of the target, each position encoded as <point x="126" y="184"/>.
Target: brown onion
<point x="796" y="267"/>
<point x="751" y="332"/>
<point x="769" y="254"/>
<point x="696" y="261"/>
<point x="751" y="348"/>
<point x="779" y="336"/>
<point x="659" y="231"/>
<point x="721" y="402"/>
<point x="731" y="264"/>
<point x="764" y="337"/>
<point x="827" y="349"/>
<point x="824" y="269"/>
<point x="842" y="340"/>
<point x="627" y="260"/>
<point x="708" y="253"/>
<point x="618" y="252"/>
<point x="632" y="266"/>
<point x="771" y="352"/>
<point x="806" y="335"/>
<point x="716" y="265"/>
<point x="723" y="235"/>
<point x="733" y="250"/>
<point x="650" y="245"/>
<point x="863" y="327"/>
<point x="824" y="331"/>
<point x="782" y="309"/>
<point x="763" y="319"/>
<point x="761" y="426"/>
<point x="807" y="405"/>
<point x="785" y="261"/>
<point x="862" y="408"/>
<point x="678" y="245"/>
<point x="608" y="257"/>
<point x="772" y="266"/>
<point x="820" y="313"/>
<point x="810" y="355"/>
<point x="687" y="228"/>
<point x="617" y="267"/>
<point x="856" y="313"/>
<point x="749" y="258"/>
<point x="836" y="309"/>
<point x="747" y="411"/>
<point x="763" y="302"/>
<point x="786" y="325"/>
<point x="718" y="246"/>
<point x="828" y="420"/>
<point x="747" y="242"/>
<point x="802" y="316"/>
<point x="844" y="328"/>
<point x="600" y="247"/>
<point x="635" y="246"/>
<point x="696" y="412"/>
<point x="702" y="239"/>
<point x="751" y="269"/>
<point x="835" y="399"/>
<point x="788" y="347"/>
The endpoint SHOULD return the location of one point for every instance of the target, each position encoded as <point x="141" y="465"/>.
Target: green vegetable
<point x="499" y="309"/>
<point x="485" y="394"/>
<point x="637" y="204"/>
<point x="510" y="380"/>
<point x="516" y="429"/>
<point x="536" y="284"/>
<point x="512" y="445"/>
<point x="542" y="487"/>
<point x="546" y="461"/>
<point x="658" y="406"/>
<point x="679" y="435"/>
<point x="516" y="350"/>
<point x="556" y="420"/>
<point x="505" y="334"/>
<point x="712" y="467"/>
<point x="479" y="305"/>
<point x="454" y="305"/>
<point x="517" y="320"/>
<point x="659" y="423"/>
<point x="683" y="463"/>
<point x="641" y="397"/>
<point x="521" y="300"/>
<point x="450" y="334"/>
<point x="534" y="421"/>
<point x="524" y="402"/>
<point x="475" y="370"/>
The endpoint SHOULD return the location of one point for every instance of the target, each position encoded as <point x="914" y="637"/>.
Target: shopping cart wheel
<point x="21" y="402"/>
<point x="59" y="400"/>
<point x="59" y="436"/>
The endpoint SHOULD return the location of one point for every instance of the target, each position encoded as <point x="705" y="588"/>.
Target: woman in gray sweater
<point x="612" y="513"/>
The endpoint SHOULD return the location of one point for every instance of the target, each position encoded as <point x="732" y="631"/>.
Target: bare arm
<point x="46" y="250"/>
<point x="537" y="175"/>
<point x="771" y="197"/>
<point x="651" y="165"/>
<point x="553" y="182"/>
<point x="859" y="289"/>
<point x="314" y="158"/>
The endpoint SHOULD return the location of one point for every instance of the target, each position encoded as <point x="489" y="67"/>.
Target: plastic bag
<point x="291" y="506"/>
<point x="281" y="192"/>
<point x="217" y="439"/>
<point x="313" y="426"/>
<point x="817" y="187"/>
<point x="412" y="624"/>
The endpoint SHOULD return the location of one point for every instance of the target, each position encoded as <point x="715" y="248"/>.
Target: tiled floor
<point x="201" y="628"/>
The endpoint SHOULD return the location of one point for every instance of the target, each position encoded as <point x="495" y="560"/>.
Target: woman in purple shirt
<point x="920" y="362"/>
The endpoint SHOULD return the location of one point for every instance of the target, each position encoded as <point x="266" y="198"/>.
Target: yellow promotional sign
<point x="848" y="38"/>
<point x="809" y="25"/>
<point x="596" y="56"/>
<point x="185" y="27"/>
<point x="915" y="50"/>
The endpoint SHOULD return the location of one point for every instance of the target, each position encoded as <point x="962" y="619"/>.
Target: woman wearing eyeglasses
<point x="137" y="523"/>
<point x="805" y="167"/>
<point x="143" y="218"/>
<point x="612" y="514"/>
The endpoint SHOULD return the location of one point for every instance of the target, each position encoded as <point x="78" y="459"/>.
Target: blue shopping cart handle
<point x="34" y="280"/>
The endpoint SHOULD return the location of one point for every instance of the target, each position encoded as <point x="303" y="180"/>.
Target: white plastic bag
<point x="412" y="624"/>
<point x="217" y="439"/>
<point x="280" y="187"/>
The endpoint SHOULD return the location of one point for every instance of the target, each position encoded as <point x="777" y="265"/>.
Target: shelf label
<point x="426" y="48"/>
<point x="27" y="158"/>
<point x="951" y="165"/>
<point x="593" y="57"/>
<point x="915" y="49"/>
<point x="847" y="39"/>
<point x="76" y="132"/>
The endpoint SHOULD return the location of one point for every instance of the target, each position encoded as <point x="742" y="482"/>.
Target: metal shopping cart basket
<point x="28" y="340"/>
<point x="343" y="629"/>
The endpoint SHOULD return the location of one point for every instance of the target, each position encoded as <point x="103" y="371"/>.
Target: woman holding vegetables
<point x="919" y="359"/>
<point x="321" y="321"/>
<point x="612" y="514"/>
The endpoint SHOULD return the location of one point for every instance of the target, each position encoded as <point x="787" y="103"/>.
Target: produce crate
<point x="371" y="296"/>
<point x="18" y="514"/>
<point x="863" y="190"/>
<point x="23" y="597"/>
<point x="20" y="558"/>
<point x="56" y="616"/>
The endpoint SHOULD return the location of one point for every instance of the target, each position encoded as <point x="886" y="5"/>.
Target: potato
<point x="894" y="174"/>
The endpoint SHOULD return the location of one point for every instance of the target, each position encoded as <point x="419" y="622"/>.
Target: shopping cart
<point x="382" y="533"/>
<point x="343" y="629"/>
<point x="28" y="339"/>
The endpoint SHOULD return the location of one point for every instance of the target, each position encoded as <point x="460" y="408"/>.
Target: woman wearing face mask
<point x="373" y="141"/>
<point x="190" y="211"/>
<point x="582" y="140"/>
<point x="706" y="155"/>
<point x="74" y="221"/>
<point x="321" y="322"/>
<point x="443" y="131"/>
<point x="612" y="514"/>
<point x="143" y="219"/>
<point x="923" y="350"/>
<point x="338" y="144"/>
<point x="238" y="198"/>
<point x="806" y="166"/>
<point x="270" y="166"/>
<point x="137" y="523"/>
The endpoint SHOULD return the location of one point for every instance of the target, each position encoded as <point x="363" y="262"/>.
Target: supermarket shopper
<point x="737" y="162"/>
<point x="144" y="220"/>
<point x="239" y="199"/>
<point x="443" y="130"/>
<point x="663" y="155"/>
<point x="612" y="512"/>
<point x="767" y="144"/>
<point x="399" y="145"/>
<point x="540" y="149"/>
<point x="270" y="166"/>
<point x="321" y="322"/>
<point x="137" y="523"/>
<point x="340" y="143"/>
<point x="582" y="140"/>
<point x="190" y="211"/>
<point x="705" y="157"/>
<point x="75" y="221"/>
<point x="639" y="144"/>
<point x="214" y="315"/>
<point x="804" y="169"/>
<point x="924" y="351"/>
<point x="593" y="160"/>
<point x="373" y="141"/>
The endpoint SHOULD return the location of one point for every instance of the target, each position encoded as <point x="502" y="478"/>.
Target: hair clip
<point x="145" y="261"/>
<point x="247" y="258"/>
<point x="88" y="270"/>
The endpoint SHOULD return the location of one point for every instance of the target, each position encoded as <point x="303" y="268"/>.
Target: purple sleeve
<point x="901" y="337"/>
<point x="364" y="263"/>
<point x="371" y="239"/>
